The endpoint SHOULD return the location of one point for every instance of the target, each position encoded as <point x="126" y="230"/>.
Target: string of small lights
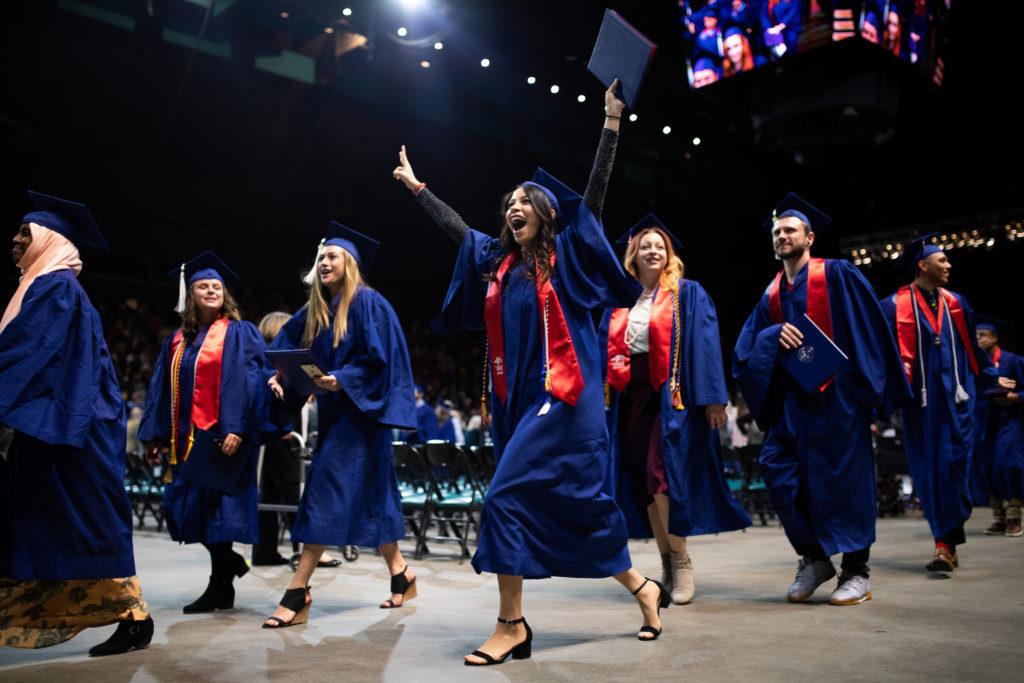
<point x="978" y="232"/>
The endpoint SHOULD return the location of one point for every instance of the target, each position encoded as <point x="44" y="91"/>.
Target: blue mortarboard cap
<point x="649" y="221"/>
<point x="705" y="63"/>
<point x="205" y="266"/>
<point x="362" y="248"/>
<point x="732" y="31"/>
<point x="794" y="205"/>
<point x="989" y="327"/>
<point x="70" y="219"/>
<point x="916" y="249"/>
<point x="565" y="201"/>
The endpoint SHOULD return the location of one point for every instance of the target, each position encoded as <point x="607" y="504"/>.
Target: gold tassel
<point x="677" y="397"/>
<point x="607" y="396"/>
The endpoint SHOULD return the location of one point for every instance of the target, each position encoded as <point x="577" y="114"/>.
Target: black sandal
<point x="400" y="585"/>
<point x="664" y="599"/>
<point x="521" y="651"/>
<point x="295" y="600"/>
<point x="329" y="564"/>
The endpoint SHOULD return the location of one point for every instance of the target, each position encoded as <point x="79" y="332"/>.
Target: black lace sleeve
<point x="601" y="172"/>
<point x="445" y="216"/>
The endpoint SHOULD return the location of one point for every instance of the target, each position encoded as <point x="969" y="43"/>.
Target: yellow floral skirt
<point x="37" y="614"/>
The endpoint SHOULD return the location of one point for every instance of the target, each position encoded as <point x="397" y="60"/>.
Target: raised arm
<point x="445" y="216"/>
<point x="597" y="186"/>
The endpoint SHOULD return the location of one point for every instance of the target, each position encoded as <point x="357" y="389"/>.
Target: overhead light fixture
<point x="632" y="117"/>
<point x="696" y="141"/>
<point x="347" y="11"/>
<point x="530" y="80"/>
<point x="439" y="45"/>
<point x="425" y="64"/>
<point x="329" y="30"/>
<point x="485" y="62"/>
<point x="581" y="98"/>
<point x="284" y="14"/>
<point x="554" y="90"/>
<point x="666" y="130"/>
<point x="402" y="32"/>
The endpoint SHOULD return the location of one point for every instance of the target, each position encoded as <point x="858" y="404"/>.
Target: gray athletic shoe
<point x="809" y="575"/>
<point x="853" y="589"/>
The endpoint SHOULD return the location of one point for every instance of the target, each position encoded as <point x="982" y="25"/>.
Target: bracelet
<point x="609" y="116"/>
<point x="418" y="189"/>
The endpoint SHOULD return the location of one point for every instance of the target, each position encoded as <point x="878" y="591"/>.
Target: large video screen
<point x="723" y="38"/>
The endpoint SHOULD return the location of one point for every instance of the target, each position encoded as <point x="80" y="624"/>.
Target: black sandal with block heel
<point x="401" y="585"/>
<point x="521" y="651"/>
<point x="295" y="600"/>
<point x="664" y="600"/>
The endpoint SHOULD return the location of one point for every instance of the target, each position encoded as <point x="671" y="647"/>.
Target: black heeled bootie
<point x="129" y="635"/>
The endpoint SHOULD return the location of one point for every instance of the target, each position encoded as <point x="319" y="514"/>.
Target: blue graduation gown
<point x="545" y="513"/>
<point x="939" y="437"/>
<point x="351" y="495"/>
<point x="817" y="459"/>
<point x="786" y="12"/>
<point x="197" y="513"/>
<point x="64" y="513"/>
<point x="699" y="498"/>
<point x="1003" y="456"/>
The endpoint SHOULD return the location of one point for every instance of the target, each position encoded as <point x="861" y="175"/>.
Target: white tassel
<point x="924" y="397"/>
<point x="961" y="394"/>
<point x="311" y="275"/>
<point x="182" y="291"/>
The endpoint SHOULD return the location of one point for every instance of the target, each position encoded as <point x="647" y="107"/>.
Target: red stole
<point x="659" y="332"/>
<point x="206" y="383"/>
<point x="906" y="325"/>
<point x="818" y="308"/>
<point x="996" y="355"/>
<point x="563" y="378"/>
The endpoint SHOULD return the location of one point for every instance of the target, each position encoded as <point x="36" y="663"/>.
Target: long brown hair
<point x="190" y="316"/>
<point x="317" y="312"/>
<point x="673" y="264"/>
<point x="538" y="258"/>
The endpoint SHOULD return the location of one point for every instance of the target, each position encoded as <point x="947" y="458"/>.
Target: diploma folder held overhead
<point x="621" y="52"/>
<point x="299" y="367"/>
<point x="814" y="361"/>
<point x="207" y="464"/>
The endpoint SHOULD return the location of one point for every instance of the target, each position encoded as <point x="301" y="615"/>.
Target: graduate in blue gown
<point x="533" y="289"/>
<point x="946" y="370"/>
<point x="351" y="495"/>
<point x="426" y="420"/>
<point x="207" y="401"/>
<point x="66" y="560"/>
<point x="998" y="459"/>
<point x="817" y="458"/>
<point x="666" y="403"/>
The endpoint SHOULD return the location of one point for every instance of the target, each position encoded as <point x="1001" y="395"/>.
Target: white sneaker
<point x="853" y="589"/>
<point x="809" y="575"/>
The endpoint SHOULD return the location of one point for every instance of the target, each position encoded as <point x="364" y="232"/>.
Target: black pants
<point x="279" y="484"/>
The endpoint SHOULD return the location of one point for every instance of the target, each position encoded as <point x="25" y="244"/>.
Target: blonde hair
<point x="271" y="324"/>
<point x="317" y="314"/>
<point x="673" y="264"/>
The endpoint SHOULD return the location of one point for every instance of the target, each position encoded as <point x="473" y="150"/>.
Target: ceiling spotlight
<point x="554" y="90"/>
<point x="666" y="130"/>
<point x="632" y="117"/>
<point x="581" y="98"/>
<point x="402" y="32"/>
<point x="347" y="11"/>
<point x="284" y="15"/>
<point x="696" y="141"/>
<point x="485" y="62"/>
<point x="328" y="30"/>
<point x="425" y="64"/>
<point x="530" y="80"/>
<point x="439" y="46"/>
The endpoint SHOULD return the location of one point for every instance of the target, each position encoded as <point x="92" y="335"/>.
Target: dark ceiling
<point x="179" y="149"/>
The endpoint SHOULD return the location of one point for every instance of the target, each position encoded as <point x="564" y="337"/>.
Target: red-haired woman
<point x="666" y="399"/>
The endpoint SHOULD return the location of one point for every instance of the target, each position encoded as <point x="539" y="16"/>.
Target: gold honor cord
<point x="677" y="398"/>
<point x="176" y="406"/>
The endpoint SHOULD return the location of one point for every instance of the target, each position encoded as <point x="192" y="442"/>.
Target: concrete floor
<point x="739" y="627"/>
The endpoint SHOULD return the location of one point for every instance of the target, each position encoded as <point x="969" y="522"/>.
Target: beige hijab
<point x="48" y="252"/>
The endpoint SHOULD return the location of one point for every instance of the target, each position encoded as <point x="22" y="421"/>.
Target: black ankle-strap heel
<point x="295" y="600"/>
<point x="664" y="600"/>
<point x="400" y="585"/>
<point x="521" y="651"/>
